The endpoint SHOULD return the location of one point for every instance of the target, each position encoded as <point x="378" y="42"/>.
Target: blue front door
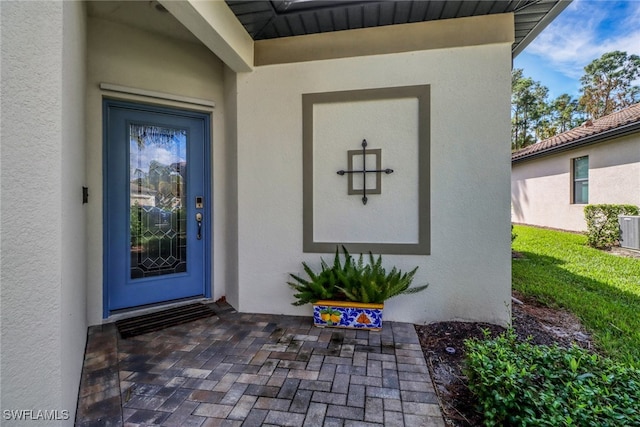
<point x="156" y="207"/>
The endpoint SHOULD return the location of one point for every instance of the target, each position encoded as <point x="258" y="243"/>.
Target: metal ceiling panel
<point x="542" y="7"/>
<point x="310" y="23"/>
<point x="419" y="11"/>
<point x="339" y="20"/>
<point x="247" y="7"/>
<point x="296" y="24"/>
<point x="532" y="18"/>
<point x="354" y="17"/>
<point x="265" y="19"/>
<point x="501" y="7"/>
<point x="482" y="8"/>
<point x="467" y="8"/>
<point x="451" y="9"/>
<point x="325" y="21"/>
<point x="403" y="12"/>
<point x="371" y="15"/>
<point x="434" y="11"/>
<point x="259" y="17"/>
<point x="387" y="13"/>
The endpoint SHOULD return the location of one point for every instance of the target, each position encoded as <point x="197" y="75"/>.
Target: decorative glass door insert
<point x="158" y="169"/>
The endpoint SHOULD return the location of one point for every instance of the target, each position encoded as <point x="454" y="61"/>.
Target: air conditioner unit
<point x="629" y="231"/>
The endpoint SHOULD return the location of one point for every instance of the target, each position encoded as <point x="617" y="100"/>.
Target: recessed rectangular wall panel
<point x="382" y="212"/>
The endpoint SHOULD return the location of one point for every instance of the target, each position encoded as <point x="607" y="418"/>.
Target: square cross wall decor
<point x="362" y="170"/>
<point x="383" y="207"/>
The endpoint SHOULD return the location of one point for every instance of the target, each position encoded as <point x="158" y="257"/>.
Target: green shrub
<point x="603" y="230"/>
<point x="518" y="383"/>
<point x="352" y="281"/>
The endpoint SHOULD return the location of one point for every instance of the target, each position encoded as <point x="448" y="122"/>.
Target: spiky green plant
<point x="370" y="283"/>
<point x="322" y="285"/>
<point x="352" y="281"/>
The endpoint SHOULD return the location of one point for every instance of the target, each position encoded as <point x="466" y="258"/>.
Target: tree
<point x="528" y="109"/>
<point x="607" y="85"/>
<point x="566" y="113"/>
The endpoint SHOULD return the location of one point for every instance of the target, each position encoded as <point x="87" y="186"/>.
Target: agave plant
<point x="352" y="281"/>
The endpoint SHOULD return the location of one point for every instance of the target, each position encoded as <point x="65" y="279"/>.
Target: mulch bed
<point x="443" y="347"/>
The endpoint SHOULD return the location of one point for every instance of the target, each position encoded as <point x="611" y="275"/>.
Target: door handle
<point x="199" y="221"/>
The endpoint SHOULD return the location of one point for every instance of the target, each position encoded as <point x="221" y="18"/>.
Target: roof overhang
<point x="617" y="132"/>
<point x="418" y="36"/>
<point x="265" y="20"/>
<point x="232" y="29"/>
<point x="215" y="25"/>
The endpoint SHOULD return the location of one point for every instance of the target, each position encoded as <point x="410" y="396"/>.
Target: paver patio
<point x="236" y="369"/>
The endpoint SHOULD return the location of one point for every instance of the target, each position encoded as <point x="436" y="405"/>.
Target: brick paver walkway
<point x="250" y="370"/>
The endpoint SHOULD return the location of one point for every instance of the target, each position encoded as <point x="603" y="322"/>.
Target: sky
<point x="141" y="157"/>
<point x="581" y="33"/>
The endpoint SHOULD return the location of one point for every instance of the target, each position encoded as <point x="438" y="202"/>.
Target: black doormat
<point x="162" y="319"/>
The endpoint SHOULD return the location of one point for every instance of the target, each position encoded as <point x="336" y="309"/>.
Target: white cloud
<point x="586" y="30"/>
<point x="140" y="159"/>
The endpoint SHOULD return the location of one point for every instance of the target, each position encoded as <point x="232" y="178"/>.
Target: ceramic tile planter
<point x="346" y="314"/>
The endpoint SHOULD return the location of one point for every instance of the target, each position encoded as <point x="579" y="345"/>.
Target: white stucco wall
<point x="541" y="188"/>
<point x="390" y="125"/>
<point x="42" y="229"/>
<point x="468" y="269"/>
<point x="73" y="301"/>
<point x="122" y="55"/>
<point x="231" y="201"/>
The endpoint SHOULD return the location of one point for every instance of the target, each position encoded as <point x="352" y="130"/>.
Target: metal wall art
<point x="378" y="171"/>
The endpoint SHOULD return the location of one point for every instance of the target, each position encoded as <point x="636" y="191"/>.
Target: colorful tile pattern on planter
<point x="340" y="314"/>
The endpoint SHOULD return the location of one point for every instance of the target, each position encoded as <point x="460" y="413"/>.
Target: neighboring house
<point x="141" y="196"/>
<point x="599" y="162"/>
<point x="263" y="102"/>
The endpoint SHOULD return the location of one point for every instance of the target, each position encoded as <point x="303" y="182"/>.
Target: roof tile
<point x="589" y="128"/>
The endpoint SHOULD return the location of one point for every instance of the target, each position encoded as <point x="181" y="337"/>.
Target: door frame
<point x="108" y="102"/>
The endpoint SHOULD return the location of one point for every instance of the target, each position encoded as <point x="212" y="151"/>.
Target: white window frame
<point x="575" y="180"/>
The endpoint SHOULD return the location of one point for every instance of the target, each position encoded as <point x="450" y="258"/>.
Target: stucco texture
<point x="126" y="56"/>
<point x="468" y="269"/>
<point x="42" y="229"/>
<point x="541" y="188"/>
<point x="392" y="127"/>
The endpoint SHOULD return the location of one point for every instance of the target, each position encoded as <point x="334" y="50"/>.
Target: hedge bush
<point x="603" y="230"/>
<point x="518" y="383"/>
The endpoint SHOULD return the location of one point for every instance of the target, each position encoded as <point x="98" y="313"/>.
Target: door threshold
<point x="126" y="313"/>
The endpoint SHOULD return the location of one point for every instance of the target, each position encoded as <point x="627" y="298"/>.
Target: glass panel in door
<point x="158" y="169"/>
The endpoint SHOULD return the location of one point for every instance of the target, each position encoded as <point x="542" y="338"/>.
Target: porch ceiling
<point x="212" y="23"/>
<point x="270" y="19"/>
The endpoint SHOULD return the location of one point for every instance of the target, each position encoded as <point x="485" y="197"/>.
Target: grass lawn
<point x="603" y="290"/>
